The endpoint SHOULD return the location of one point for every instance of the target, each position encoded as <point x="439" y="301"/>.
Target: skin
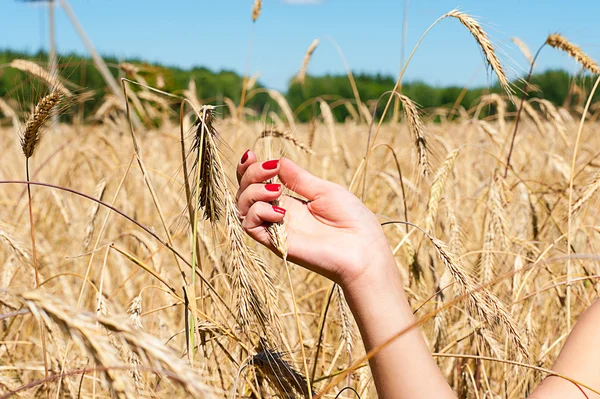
<point x="334" y="234"/>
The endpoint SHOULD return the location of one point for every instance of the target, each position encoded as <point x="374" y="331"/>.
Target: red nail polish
<point x="272" y="187"/>
<point x="245" y="157"/>
<point x="270" y="165"/>
<point x="279" y="209"/>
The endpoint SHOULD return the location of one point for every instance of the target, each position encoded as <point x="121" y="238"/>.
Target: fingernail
<point x="272" y="187"/>
<point x="279" y="210"/>
<point x="245" y="156"/>
<point x="270" y="165"/>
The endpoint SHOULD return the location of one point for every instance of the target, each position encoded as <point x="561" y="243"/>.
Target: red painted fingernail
<point x="272" y="187"/>
<point x="270" y="165"/>
<point x="279" y="210"/>
<point x="245" y="156"/>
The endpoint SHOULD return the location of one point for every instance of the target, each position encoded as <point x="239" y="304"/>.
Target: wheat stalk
<point x="82" y="328"/>
<point x="256" y="10"/>
<point x="486" y="46"/>
<point x="41" y="114"/>
<point x="524" y="49"/>
<point x="437" y="188"/>
<point x="207" y="167"/>
<point x="93" y="212"/>
<point x="330" y="123"/>
<point x="496" y="235"/>
<point x="589" y="190"/>
<point x="287" y="136"/>
<point x="535" y="117"/>
<point x="34" y="69"/>
<point x="301" y="77"/>
<point x="284" y="106"/>
<point x="346" y="321"/>
<point x="486" y="305"/>
<point x="417" y="129"/>
<point x="9" y="112"/>
<point x="14" y="246"/>
<point x="286" y="380"/>
<point x="558" y="41"/>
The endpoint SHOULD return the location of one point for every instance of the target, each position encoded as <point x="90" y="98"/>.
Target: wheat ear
<point x="485" y="304"/>
<point x="35" y="70"/>
<point x="417" y="129"/>
<point x="486" y="46"/>
<point x="41" y="114"/>
<point x="558" y="41"/>
<point x="256" y="10"/>
<point x="437" y="188"/>
<point x="287" y="136"/>
<point x="524" y="49"/>
<point x="311" y="49"/>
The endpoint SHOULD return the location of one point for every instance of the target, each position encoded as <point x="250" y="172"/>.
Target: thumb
<point x="300" y="181"/>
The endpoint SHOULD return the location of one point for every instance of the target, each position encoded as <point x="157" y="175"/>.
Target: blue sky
<point x="217" y="34"/>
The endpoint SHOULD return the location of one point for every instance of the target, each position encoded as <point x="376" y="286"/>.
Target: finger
<point x="258" y="173"/>
<point x="259" y="214"/>
<point x="257" y="192"/>
<point x="248" y="158"/>
<point x="300" y="181"/>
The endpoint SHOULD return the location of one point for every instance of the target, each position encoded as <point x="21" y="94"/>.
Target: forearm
<point x="578" y="360"/>
<point x="403" y="369"/>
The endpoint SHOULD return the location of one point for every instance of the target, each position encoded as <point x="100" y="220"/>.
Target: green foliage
<point x="212" y="87"/>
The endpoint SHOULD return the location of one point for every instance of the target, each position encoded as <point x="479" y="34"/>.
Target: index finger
<point x="247" y="159"/>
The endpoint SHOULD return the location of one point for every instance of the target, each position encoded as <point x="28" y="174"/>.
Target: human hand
<point x="332" y="233"/>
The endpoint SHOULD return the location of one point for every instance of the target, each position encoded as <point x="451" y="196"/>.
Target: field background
<point x="109" y="314"/>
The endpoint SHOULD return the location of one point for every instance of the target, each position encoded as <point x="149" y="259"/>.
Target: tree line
<point x="557" y="86"/>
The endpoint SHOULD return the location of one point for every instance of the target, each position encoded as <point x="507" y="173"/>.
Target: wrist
<point x="375" y="272"/>
<point x="372" y="261"/>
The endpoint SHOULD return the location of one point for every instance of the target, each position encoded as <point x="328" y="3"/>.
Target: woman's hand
<point x="335" y="235"/>
<point x="332" y="233"/>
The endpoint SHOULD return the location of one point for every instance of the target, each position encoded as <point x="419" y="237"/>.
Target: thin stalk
<point x="31" y="226"/>
<point x="350" y="76"/>
<point x="321" y="328"/>
<point x="132" y="220"/>
<point x="305" y="363"/>
<point x="191" y="334"/>
<point x="35" y="262"/>
<point x="512" y="141"/>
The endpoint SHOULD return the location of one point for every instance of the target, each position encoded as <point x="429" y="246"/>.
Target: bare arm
<point x="579" y="359"/>
<point x="335" y="235"/>
<point x="405" y="368"/>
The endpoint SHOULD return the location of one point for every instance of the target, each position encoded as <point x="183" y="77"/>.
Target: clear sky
<point x="217" y="34"/>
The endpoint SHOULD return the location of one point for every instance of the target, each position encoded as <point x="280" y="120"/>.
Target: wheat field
<point x="141" y="283"/>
